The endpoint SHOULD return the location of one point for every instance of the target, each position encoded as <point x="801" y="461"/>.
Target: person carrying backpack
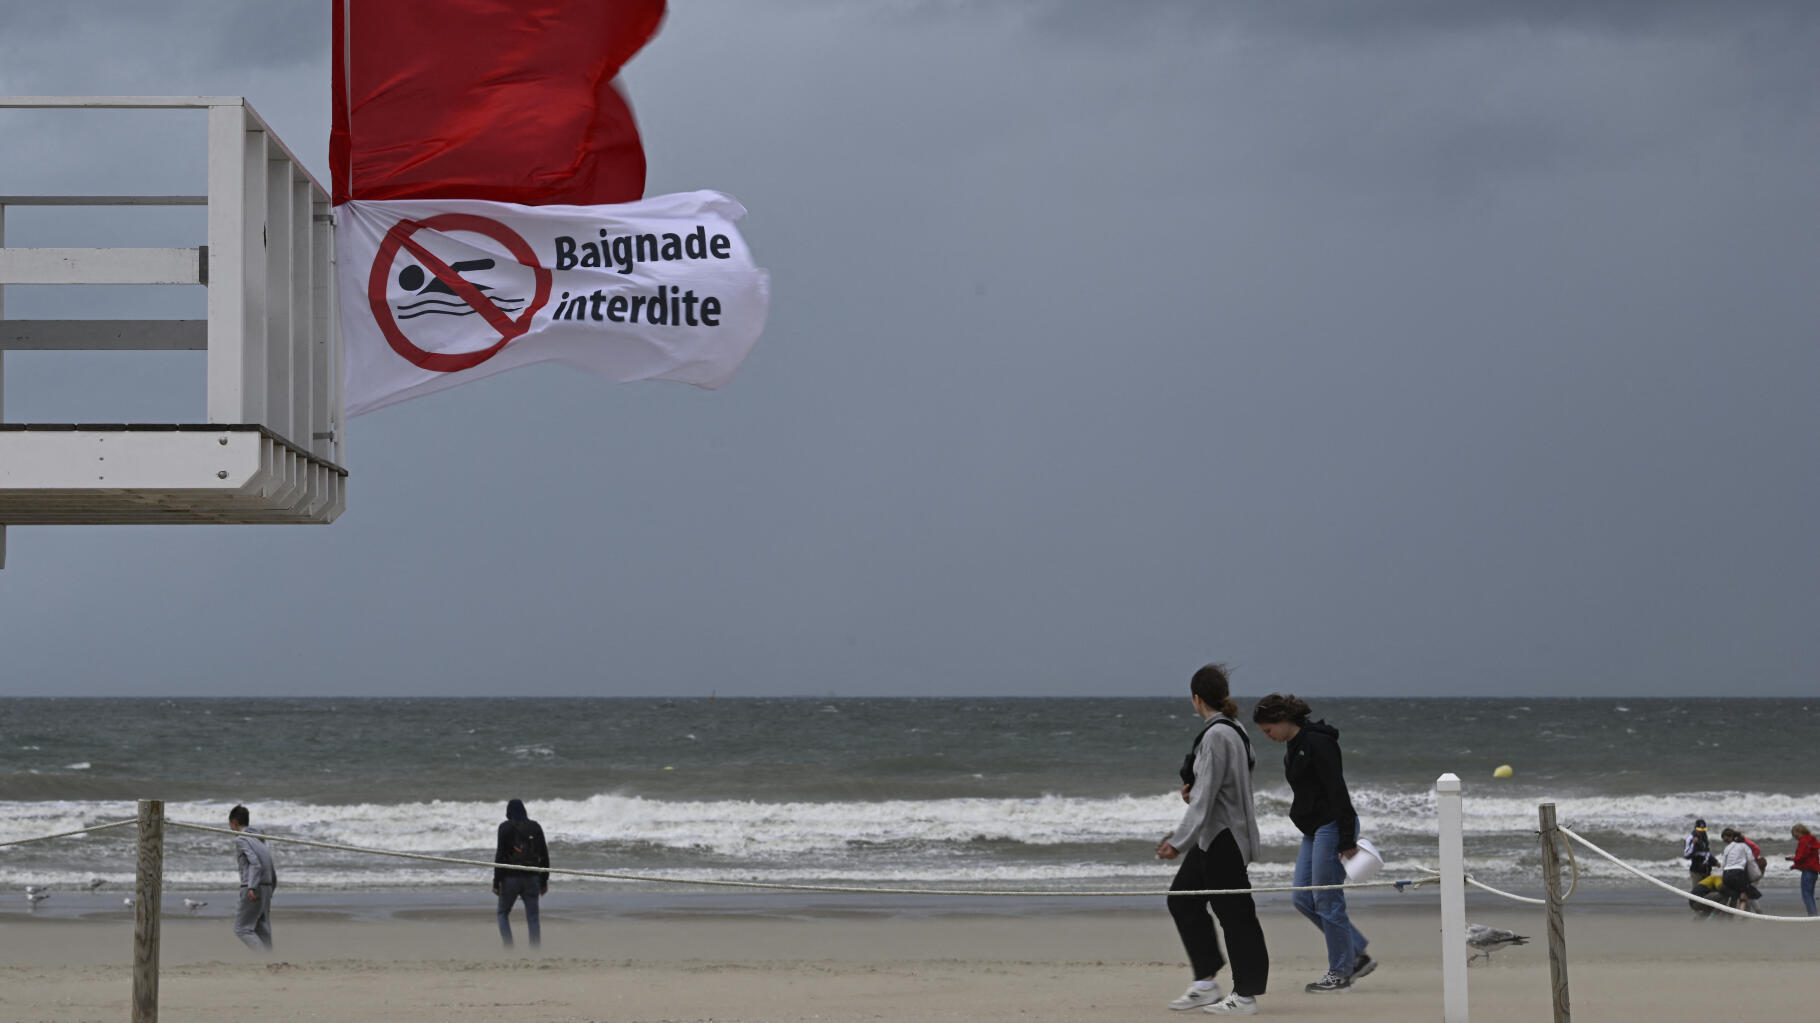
<point x="1698" y="852"/>
<point x="1216" y="839"/>
<point x="521" y="844"/>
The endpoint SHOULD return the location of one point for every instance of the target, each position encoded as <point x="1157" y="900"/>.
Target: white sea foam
<point x="193" y="874"/>
<point x="759" y="830"/>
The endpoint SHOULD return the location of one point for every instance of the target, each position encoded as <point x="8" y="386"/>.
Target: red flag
<point x="503" y="100"/>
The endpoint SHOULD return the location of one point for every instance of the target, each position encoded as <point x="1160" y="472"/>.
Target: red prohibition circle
<point x="509" y="329"/>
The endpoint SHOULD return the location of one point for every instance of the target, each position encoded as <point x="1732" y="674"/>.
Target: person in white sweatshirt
<point x="1739" y="869"/>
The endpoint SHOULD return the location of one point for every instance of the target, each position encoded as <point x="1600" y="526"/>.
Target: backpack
<point x="1251" y="759"/>
<point x="524" y="846"/>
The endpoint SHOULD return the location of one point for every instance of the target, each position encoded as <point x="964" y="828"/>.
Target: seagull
<point x="96" y="882"/>
<point x="127" y="901"/>
<point x="31" y="889"/>
<point x="36" y="897"/>
<point x="1484" y="939"/>
<point x="193" y="904"/>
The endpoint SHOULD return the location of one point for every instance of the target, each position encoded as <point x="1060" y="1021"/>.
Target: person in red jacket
<point x="1807" y="861"/>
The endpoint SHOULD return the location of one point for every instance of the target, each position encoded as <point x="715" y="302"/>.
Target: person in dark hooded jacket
<point x="1322" y="811"/>
<point x="521" y="844"/>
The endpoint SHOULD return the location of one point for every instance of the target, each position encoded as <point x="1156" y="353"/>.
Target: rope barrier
<point x="774" y="886"/>
<point x="1659" y="883"/>
<point x="67" y="834"/>
<point x="1574" y="864"/>
<point x="1476" y="883"/>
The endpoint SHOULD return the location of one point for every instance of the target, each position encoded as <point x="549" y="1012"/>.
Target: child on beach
<point x="1322" y="811"/>
<point x="1807" y="861"/>
<point x="1219" y="835"/>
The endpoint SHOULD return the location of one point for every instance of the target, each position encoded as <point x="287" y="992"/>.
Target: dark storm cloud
<point x="1439" y="349"/>
<point x="1355" y="20"/>
<point x="225" y="35"/>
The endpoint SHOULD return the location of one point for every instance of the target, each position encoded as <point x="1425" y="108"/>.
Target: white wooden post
<point x="278" y="285"/>
<point x="323" y="365"/>
<point x="2" y="372"/>
<point x="227" y="319"/>
<point x="1453" y="898"/>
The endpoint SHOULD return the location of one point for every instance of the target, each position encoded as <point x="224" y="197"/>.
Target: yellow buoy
<point x="1503" y="771"/>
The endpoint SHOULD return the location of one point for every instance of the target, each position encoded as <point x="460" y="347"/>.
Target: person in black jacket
<point x="521" y="844"/>
<point x="1322" y="811"/>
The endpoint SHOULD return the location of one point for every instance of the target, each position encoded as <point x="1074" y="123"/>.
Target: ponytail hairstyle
<point x="1214" y="686"/>
<point x="1281" y="707"/>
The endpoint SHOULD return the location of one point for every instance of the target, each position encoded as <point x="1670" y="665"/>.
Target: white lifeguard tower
<point x="271" y="445"/>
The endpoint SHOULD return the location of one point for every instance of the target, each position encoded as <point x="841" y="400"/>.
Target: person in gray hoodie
<point x="1217" y="839"/>
<point x="258" y="879"/>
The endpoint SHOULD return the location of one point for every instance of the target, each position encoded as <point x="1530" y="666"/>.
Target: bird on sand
<point x="193" y="904"/>
<point x="1483" y="939"/>
<point x="96" y="882"/>
<point x="36" y="897"/>
<point x="32" y="889"/>
<point x="127" y="901"/>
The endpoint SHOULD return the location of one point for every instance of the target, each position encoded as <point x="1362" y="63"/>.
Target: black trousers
<point x="1737" y="883"/>
<point x="1220" y="866"/>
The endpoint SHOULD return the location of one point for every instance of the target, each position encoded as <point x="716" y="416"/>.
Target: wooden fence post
<point x="148" y="894"/>
<point x="1557" y="927"/>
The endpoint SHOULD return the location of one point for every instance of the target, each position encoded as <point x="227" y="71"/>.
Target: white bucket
<point x="1364" y="864"/>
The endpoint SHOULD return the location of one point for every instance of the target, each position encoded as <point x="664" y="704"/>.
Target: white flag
<point x="438" y="292"/>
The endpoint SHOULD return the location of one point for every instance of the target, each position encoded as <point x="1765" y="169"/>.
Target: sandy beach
<point x="1092" y="965"/>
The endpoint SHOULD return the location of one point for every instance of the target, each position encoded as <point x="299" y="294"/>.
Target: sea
<point x="1051" y="795"/>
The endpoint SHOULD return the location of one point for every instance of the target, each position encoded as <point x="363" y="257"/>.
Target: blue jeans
<point x="519" y="886"/>
<point x="1807" y="891"/>
<point x="1318" y="862"/>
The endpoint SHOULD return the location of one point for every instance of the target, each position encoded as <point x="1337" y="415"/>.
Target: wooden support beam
<point x="1557" y="925"/>
<point x="101" y="266"/>
<point x="148" y="896"/>
<point x="104" y="335"/>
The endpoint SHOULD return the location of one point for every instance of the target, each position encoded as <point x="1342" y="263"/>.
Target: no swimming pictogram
<point x="448" y="292"/>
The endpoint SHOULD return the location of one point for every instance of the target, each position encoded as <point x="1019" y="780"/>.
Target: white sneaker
<point x="1195" y="998"/>
<point x="1233" y="1005"/>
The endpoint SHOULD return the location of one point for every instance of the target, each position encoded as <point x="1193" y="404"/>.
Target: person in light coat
<point x="1216" y="840"/>
<point x="258" y="879"/>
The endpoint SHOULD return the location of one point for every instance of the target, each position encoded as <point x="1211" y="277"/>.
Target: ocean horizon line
<point x="855" y="697"/>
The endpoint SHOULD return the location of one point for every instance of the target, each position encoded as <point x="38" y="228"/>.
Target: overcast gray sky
<point x="1395" y="348"/>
